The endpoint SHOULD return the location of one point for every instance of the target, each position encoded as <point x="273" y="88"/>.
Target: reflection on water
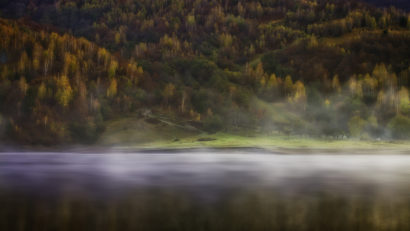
<point x="204" y="191"/>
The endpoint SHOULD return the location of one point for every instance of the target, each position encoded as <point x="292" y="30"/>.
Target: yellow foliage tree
<point x="300" y="92"/>
<point x="140" y="49"/>
<point x="226" y="40"/>
<point x="273" y="81"/>
<point x="381" y="97"/>
<point x="103" y="56"/>
<point x="355" y="87"/>
<point x="169" y="91"/>
<point x="23" y="63"/>
<point x="190" y="22"/>
<point x="23" y="86"/>
<point x="259" y="72"/>
<point x="404" y="102"/>
<point x="37" y="53"/>
<point x="288" y="85"/>
<point x="112" y="89"/>
<point x="336" y="84"/>
<point x="113" y="68"/>
<point x="370" y="84"/>
<point x="70" y="63"/>
<point x="380" y="73"/>
<point x="64" y="91"/>
<point x="41" y="91"/>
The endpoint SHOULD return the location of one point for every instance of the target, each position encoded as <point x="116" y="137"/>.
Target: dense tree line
<point x="68" y="66"/>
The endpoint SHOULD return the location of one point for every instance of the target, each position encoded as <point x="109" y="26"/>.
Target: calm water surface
<point x="204" y="191"/>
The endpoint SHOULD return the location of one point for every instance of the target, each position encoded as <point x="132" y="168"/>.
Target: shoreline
<point x="229" y="143"/>
<point x="200" y="150"/>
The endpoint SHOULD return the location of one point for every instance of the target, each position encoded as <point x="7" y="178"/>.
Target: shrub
<point x="213" y="124"/>
<point x="400" y="127"/>
<point x="356" y="125"/>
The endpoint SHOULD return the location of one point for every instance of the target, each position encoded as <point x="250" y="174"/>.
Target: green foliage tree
<point x="400" y="127"/>
<point x="356" y="126"/>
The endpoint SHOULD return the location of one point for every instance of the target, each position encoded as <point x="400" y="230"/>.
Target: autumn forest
<point x="338" y="69"/>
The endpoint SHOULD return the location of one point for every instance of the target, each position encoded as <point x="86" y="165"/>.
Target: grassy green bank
<point x="138" y="133"/>
<point x="223" y="140"/>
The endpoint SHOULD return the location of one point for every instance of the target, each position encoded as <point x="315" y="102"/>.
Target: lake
<point x="204" y="190"/>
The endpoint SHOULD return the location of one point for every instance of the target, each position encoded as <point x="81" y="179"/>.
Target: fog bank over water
<point x="205" y="172"/>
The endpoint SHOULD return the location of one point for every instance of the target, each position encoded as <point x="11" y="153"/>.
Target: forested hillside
<point x="319" y="68"/>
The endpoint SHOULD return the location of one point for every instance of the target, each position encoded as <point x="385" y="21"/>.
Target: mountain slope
<point x="69" y="67"/>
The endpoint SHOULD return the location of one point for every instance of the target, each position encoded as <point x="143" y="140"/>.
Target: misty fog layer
<point x="207" y="172"/>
